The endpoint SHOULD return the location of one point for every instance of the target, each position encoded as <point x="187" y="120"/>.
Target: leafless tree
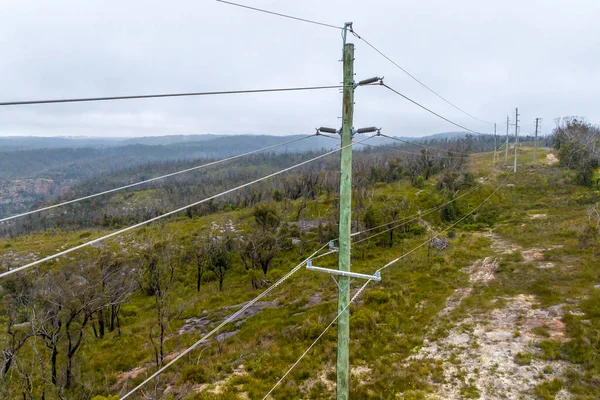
<point x="159" y="267"/>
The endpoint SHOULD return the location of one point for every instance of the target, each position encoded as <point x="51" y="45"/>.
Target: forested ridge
<point x="96" y="322"/>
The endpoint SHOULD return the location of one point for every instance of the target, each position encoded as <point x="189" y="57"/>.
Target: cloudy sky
<point x="487" y="57"/>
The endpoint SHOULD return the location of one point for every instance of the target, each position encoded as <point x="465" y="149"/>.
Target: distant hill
<point x="16" y="143"/>
<point x="445" y="135"/>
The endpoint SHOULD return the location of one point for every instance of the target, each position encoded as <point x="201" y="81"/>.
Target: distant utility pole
<point x="506" y="145"/>
<point x="516" y="135"/>
<point x="537" y="124"/>
<point x="495" y="143"/>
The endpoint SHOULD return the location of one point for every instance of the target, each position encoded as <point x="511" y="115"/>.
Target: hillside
<point x="510" y="306"/>
<point x="32" y="178"/>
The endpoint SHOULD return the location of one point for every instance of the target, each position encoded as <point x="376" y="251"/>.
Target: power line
<point x="419" y="81"/>
<point x="316" y="340"/>
<point x="361" y="289"/>
<point x="406" y="151"/>
<point x="422" y="145"/>
<point x="432" y="112"/>
<point x="313" y="256"/>
<point x="152" y="179"/>
<point x="448" y="228"/>
<point x="225" y="322"/>
<point x="242" y="310"/>
<point x="280" y="15"/>
<point x="414" y="217"/>
<point x="91" y="242"/>
<point x="149" y="96"/>
<point x="417" y="144"/>
<point x="387" y="147"/>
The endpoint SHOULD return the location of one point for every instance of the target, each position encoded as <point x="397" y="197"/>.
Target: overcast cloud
<point x="487" y="57"/>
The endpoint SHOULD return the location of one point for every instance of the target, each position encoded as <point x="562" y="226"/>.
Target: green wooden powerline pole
<point x="343" y="357"/>
<point x="537" y="123"/>
<point x="495" y="144"/>
<point x="516" y="135"/>
<point x="506" y="155"/>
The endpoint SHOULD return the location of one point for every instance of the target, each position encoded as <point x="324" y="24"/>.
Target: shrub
<point x="311" y="331"/>
<point x="523" y="358"/>
<point x="361" y="319"/>
<point x="193" y="373"/>
<point x="420" y="182"/>
<point x="549" y="389"/>
<point x="378" y="297"/>
<point x="449" y="212"/>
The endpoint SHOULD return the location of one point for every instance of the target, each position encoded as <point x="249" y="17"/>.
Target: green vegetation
<point x="179" y="279"/>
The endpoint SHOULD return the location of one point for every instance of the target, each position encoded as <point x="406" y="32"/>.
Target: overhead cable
<point x="386" y="147"/>
<point x="417" y="80"/>
<point x="408" y="142"/>
<point x="153" y="179"/>
<point x="150" y="96"/>
<point x="361" y="289"/>
<point x="406" y="151"/>
<point x="422" y="145"/>
<point x="433" y="112"/>
<point x="414" y="217"/>
<point x="119" y="232"/>
<point x="229" y="319"/>
<point x="280" y="15"/>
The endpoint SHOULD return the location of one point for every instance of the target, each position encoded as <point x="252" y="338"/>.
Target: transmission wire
<point x="360" y="290"/>
<point x="417" y="80"/>
<point x="152" y="179"/>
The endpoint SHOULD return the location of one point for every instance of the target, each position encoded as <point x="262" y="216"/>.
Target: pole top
<point x="347" y="26"/>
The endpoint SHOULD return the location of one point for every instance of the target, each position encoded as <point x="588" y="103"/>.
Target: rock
<point x="438" y="243"/>
<point x="538" y="216"/>
<point x="225" y="335"/>
<point x="193" y="324"/>
<point x="499" y="335"/>
<point x="551" y="159"/>
<point x="486" y="352"/>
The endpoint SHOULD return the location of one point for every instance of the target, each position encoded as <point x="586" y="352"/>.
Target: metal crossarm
<point x="376" y="277"/>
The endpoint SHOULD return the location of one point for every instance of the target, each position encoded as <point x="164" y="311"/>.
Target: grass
<point x="388" y="322"/>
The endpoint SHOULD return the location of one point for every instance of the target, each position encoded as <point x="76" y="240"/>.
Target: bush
<point x="449" y="212"/>
<point x="194" y="374"/>
<point x="549" y="389"/>
<point x="311" y="331"/>
<point x="523" y="358"/>
<point x="362" y="319"/>
<point x="377" y="297"/>
<point x="420" y="182"/>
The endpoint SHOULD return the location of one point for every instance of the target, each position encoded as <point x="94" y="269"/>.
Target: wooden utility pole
<point x="495" y="143"/>
<point x="507" y="123"/>
<point x="343" y="357"/>
<point x="343" y="273"/>
<point x="537" y="123"/>
<point x="516" y="135"/>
